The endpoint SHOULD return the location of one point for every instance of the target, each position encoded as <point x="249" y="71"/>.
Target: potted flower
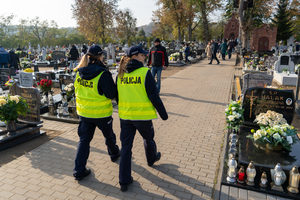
<point x="274" y="133"/>
<point x="234" y="115"/>
<point x="10" y="108"/>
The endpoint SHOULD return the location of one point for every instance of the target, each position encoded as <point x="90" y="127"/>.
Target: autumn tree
<point x="126" y="26"/>
<point x="253" y="14"/>
<point x="95" y="18"/>
<point x="295" y="17"/>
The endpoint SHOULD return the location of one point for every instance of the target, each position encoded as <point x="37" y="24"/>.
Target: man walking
<point x="214" y="50"/>
<point x="158" y="58"/>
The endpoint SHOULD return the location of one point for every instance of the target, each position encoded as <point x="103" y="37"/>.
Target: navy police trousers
<point x="128" y="130"/>
<point x="86" y="130"/>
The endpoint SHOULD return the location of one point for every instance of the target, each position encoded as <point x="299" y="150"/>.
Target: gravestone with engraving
<point x="256" y="80"/>
<point x="26" y="79"/>
<point x="39" y="76"/>
<point x="284" y="71"/>
<point x="32" y="97"/>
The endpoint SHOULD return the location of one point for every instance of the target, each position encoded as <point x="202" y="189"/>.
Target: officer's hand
<point x="164" y="117"/>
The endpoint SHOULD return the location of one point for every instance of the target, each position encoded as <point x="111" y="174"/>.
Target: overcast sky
<point x="60" y="10"/>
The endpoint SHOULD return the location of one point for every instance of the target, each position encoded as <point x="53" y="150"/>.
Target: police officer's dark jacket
<point x="106" y="83"/>
<point x="150" y="87"/>
<point x="158" y="56"/>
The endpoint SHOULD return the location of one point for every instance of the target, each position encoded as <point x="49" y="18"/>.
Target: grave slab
<point x="285" y="79"/>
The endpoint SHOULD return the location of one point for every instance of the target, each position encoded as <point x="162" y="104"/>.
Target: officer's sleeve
<point x="107" y="86"/>
<point x="117" y="93"/>
<point x="154" y="96"/>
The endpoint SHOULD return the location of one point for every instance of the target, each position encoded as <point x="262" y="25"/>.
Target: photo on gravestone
<point x="284" y="60"/>
<point x="26" y="79"/>
<point x="32" y="97"/>
<point x="260" y="100"/>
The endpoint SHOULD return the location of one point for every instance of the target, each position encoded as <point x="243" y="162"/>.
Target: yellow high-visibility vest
<point x="134" y="103"/>
<point x="89" y="103"/>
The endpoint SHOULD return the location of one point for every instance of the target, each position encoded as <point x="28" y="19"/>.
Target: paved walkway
<point x="190" y="142"/>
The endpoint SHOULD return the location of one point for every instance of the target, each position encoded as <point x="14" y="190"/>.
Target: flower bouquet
<point x="70" y="90"/>
<point x="234" y="115"/>
<point x="11" y="107"/>
<point x="45" y="85"/>
<point x="274" y="131"/>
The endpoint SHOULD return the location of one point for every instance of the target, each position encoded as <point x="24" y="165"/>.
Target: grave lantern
<point x="278" y="177"/>
<point x="263" y="180"/>
<point x="231" y="174"/>
<point x="251" y="173"/>
<point x="294" y="180"/>
<point x="241" y="175"/>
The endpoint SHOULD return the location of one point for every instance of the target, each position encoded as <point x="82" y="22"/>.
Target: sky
<point x="61" y="10"/>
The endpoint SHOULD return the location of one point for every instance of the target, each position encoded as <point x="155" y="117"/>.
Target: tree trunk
<point x="179" y="33"/>
<point x="205" y="26"/>
<point x="243" y="37"/>
<point x="190" y="36"/>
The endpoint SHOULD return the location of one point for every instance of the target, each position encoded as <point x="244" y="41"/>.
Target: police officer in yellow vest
<point x="138" y="100"/>
<point x="94" y="89"/>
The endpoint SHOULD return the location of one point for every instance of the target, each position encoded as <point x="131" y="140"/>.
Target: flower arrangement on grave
<point x="48" y="57"/>
<point x="45" y="85"/>
<point x="274" y="131"/>
<point x="11" y="107"/>
<point x="234" y="115"/>
<point x="25" y="64"/>
<point x="70" y="90"/>
<point x="174" y="56"/>
<point x="298" y="68"/>
<point x="10" y="82"/>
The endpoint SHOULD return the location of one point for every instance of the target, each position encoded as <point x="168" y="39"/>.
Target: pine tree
<point x="282" y="20"/>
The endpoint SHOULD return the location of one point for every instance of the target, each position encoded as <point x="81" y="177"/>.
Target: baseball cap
<point x="95" y="50"/>
<point x="135" y="50"/>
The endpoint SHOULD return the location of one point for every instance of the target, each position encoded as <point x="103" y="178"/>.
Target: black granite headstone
<point x="260" y="100"/>
<point x="39" y="76"/>
<point x="256" y="80"/>
<point x="36" y="68"/>
<point x="65" y="79"/>
<point x="32" y="97"/>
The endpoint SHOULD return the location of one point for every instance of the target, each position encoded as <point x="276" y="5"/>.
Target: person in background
<point x="208" y="50"/>
<point x="94" y="89"/>
<point x="231" y="46"/>
<point x="84" y="50"/>
<point x="4" y="58"/>
<point x="138" y="101"/>
<point x="74" y="56"/>
<point x="214" y="50"/>
<point x="187" y="52"/>
<point x="223" y="49"/>
<point x="159" y="60"/>
<point x="14" y="60"/>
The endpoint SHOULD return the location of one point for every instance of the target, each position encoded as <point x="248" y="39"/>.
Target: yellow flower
<point x="2" y="102"/>
<point x="28" y="70"/>
<point x="2" y="97"/>
<point x="14" y="98"/>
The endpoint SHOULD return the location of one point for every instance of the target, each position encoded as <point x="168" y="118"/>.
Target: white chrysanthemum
<point x="231" y="117"/>
<point x="276" y="136"/>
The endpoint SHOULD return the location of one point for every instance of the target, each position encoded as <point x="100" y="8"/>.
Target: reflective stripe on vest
<point x="134" y="103"/>
<point x="89" y="103"/>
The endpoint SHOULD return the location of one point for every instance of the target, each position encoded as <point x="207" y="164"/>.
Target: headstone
<point x="3" y="79"/>
<point x="26" y="79"/>
<point x="260" y="100"/>
<point x="39" y="76"/>
<point x="64" y="80"/>
<point x="284" y="62"/>
<point x="36" y="68"/>
<point x="256" y="80"/>
<point x="32" y="97"/>
<point x="57" y="55"/>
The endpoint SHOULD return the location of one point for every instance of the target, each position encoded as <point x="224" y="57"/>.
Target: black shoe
<point x="80" y="176"/>
<point x="114" y="158"/>
<point x="124" y="187"/>
<point x="209" y="63"/>
<point x="158" y="155"/>
<point x="218" y="63"/>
